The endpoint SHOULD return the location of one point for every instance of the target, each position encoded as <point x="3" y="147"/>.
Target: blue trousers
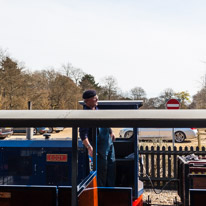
<point x="106" y="168"/>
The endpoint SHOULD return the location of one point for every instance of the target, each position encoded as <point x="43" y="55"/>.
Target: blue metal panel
<point x="26" y="163"/>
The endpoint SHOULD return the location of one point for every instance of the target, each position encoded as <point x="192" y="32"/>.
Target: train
<point x="59" y="170"/>
<point x="54" y="172"/>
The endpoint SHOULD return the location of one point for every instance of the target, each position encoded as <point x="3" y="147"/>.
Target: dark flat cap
<point x="88" y="94"/>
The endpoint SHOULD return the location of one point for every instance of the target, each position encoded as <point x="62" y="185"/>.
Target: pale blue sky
<point x="154" y="44"/>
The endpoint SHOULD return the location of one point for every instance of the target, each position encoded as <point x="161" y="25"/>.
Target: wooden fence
<point x="161" y="164"/>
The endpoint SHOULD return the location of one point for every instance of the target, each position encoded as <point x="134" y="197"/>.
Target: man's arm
<point x="83" y="133"/>
<point x="111" y="134"/>
<point x="88" y="146"/>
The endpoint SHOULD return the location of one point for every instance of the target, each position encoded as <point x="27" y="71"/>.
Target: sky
<point x="153" y="44"/>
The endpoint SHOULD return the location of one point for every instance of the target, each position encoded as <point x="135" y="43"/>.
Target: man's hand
<point x="90" y="151"/>
<point x="88" y="146"/>
<point x="112" y="136"/>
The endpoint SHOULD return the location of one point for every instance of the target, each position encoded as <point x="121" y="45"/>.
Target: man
<point x="105" y="147"/>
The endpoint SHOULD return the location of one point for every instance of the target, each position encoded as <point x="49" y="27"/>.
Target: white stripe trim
<point x="173" y="105"/>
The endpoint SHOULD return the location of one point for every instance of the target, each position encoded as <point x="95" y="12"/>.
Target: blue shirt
<point x="87" y="132"/>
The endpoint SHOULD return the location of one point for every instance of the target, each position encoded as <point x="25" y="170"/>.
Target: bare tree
<point x="109" y="87"/>
<point x="167" y="94"/>
<point x="52" y="90"/>
<point x="159" y="102"/>
<point x="203" y="81"/>
<point x="38" y="89"/>
<point x="153" y="103"/>
<point x="75" y="74"/>
<point x="3" y="54"/>
<point x="138" y="93"/>
<point x="199" y="100"/>
<point x="63" y="93"/>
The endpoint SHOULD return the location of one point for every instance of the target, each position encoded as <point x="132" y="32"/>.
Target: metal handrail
<point x="104" y="118"/>
<point x="100" y="118"/>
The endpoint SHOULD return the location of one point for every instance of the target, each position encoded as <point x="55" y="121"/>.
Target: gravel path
<point x="167" y="197"/>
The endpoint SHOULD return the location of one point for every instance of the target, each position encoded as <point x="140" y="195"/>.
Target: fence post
<point x="158" y="165"/>
<point x="198" y="138"/>
<point x="175" y="162"/>
<point x="169" y="162"/>
<point x="163" y="162"/>
<point x="147" y="160"/>
<point x="141" y="165"/>
<point x="152" y="162"/>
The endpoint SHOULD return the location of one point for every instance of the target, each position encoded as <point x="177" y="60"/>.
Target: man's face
<point x="92" y="102"/>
